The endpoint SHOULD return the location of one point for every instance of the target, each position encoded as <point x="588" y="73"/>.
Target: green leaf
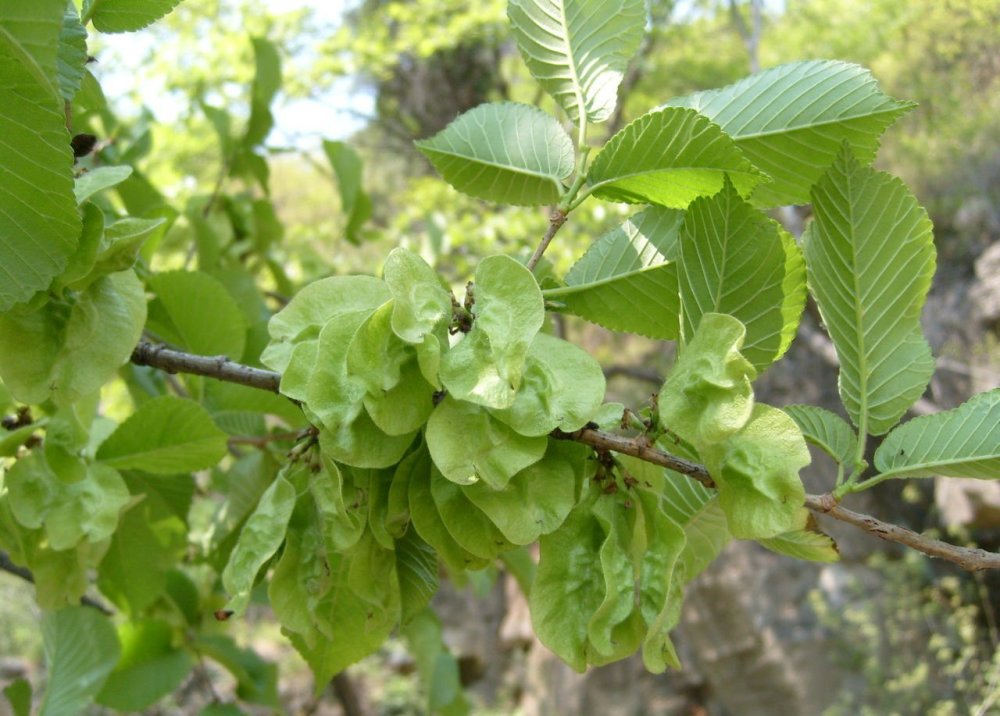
<point x="569" y="586"/>
<point x="404" y="408"/>
<point x="486" y="367"/>
<point x="355" y="629"/>
<point x="870" y="258"/>
<point x="417" y="569"/>
<point x="627" y="279"/>
<point x="80" y="651"/>
<point x="340" y="505"/>
<point x="68" y="349"/>
<point x="427" y="520"/>
<point x="120" y="245"/>
<point x="312" y="307"/>
<point x="362" y="444"/>
<point x="332" y="393"/>
<point x="791" y="120"/>
<point x="18" y="693"/>
<point x="692" y="506"/>
<point x="40" y="225"/>
<point x="126" y="15"/>
<point x="734" y="260"/>
<point x="578" y="50"/>
<point x="165" y="435"/>
<point x="260" y="538"/>
<point x="794" y="290"/>
<point x="421" y="303"/>
<point x="87" y="509"/>
<point x="562" y="387"/>
<point x="827" y="431"/>
<point x="148" y="541"/>
<point x="150" y="666"/>
<point x="708" y="394"/>
<point x="300" y="579"/>
<point x="71" y="58"/>
<point x="354" y="201"/>
<point x="669" y="157"/>
<point x="962" y="442"/>
<point x="537" y="500"/>
<point x="469" y="527"/>
<point x="266" y="83"/>
<point x="757" y="473"/>
<point x="804" y="544"/>
<point x="81" y="263"/>
<point x="35" y="28"/>
<point x="437" y="667"/>
<point x="505" y="152"/>
<point x="178" y="314"/>
<point x="99" y="179"/>
<point x="468" y="445"/>
<point x="256" y="679"/>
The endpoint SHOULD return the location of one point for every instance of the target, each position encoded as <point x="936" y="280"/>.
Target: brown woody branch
<point x="556" y="219"/>
<point x="221" y="368"/>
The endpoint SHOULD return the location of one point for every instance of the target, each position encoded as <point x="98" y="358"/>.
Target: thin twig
<point x="556" y="219"/>
<point x="218" y="367"/>
<point x="262" y="440"/>
<point x="6" y="565"/>
<point x="223" y="369"/>
<point x="968" y="558"/>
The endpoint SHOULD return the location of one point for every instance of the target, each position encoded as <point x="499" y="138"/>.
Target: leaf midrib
<point x="477" y="160"/>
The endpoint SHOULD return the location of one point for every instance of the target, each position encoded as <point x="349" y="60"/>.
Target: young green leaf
<point x="99" y="179"/>
<point x="790" y="121"/>
<point x="804" y="544"/>
<point x="827" y="431"/>
<point x="71" y="58"/>
<point x="354" y="202"/>
<point x="669" y="157"/>
<point x="427" y="520"/>
<point x="734" y="262"/>
<point x="69" y="348"/>
<point x="569" y="586"/>
<point x="178" y="314"/>
<point x="417" y="570"/>
<point x="469" y="527"/>
<point x="692" y="506"/>
<point x="757" y="473"/>
<point x="260" y="538"/>
<point x="87" y="509"/>
<point x="486" y="367"/>
<point x="421" y="304"/>
<point x="126" y="15"/>
<point x="404" y="408"/>
<point x="361" y="443"/>
<point x="165" y="435"/>
<point x="537" y="500"/>
<point x="40" y="225"/>
<point x="332" y="393"/>
<point x="340" y="508"/>
<point x="962" y="442"/>
<point x="708" y="395"/>
<point x="563" y="387"/>
<point x="578" y="50"/>
<point x="150" y="667"/>
<point x="266" y="83"/>
<point x="81" y="649"/>
<point x="468" y="445"/>
<point x="505" y="152"/>
<point x="313" y="307"/>
<point x="627" y="279"/>
<point x="300" y="579"/>
<point x="870" y="258"/>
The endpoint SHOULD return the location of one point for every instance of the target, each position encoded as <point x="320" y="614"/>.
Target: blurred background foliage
<point x="179" y="97"/>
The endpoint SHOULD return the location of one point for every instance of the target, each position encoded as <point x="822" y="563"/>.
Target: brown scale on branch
<point x="221" y="368"/>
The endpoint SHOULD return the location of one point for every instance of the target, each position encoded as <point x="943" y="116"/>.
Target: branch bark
<point x="221" y="368"/>
<point x="556" y="219"/>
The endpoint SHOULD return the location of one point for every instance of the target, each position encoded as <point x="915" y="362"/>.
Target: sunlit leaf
<point x="578" y="49"/>
<point x="505" y="152"/>
<point x="669" y="157"/>
<point x="870" y="259"/>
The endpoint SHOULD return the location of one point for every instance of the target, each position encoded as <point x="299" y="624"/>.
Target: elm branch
<point x="221" y="368"/>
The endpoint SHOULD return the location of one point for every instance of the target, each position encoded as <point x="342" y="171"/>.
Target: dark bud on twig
<point x="83" y="144"/>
